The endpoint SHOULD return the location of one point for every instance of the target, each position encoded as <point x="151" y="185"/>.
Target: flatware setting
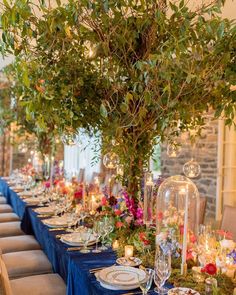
<point x="58" y="229"/>
<point x="134" y="293"/>
<point x="77" y="248"/>
<point x="96" y="269"/>
<point x="44" y="215"/>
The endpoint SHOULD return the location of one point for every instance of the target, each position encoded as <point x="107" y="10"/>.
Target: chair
<point x="18" y="243"/>
<point x="8" y="229"/>
<point x="228" y="220"/>
<point x="3" y="200"/>
<point x="26" y="263"/>
<point x="47" y="284"/>
<point x="7" y="217"/>
<point x="5" y="208"/>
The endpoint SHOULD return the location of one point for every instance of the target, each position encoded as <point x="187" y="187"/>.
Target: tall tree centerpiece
<point x="138" y="71"/>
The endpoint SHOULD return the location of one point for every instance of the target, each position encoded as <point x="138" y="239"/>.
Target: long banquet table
<point x="74" y="266"/>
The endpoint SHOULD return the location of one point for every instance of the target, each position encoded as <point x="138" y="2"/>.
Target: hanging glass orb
<point x="192" y="169"/>
<point x="111" y="160"/>
<point x="114" y="142"/>
<point x="120" y="169"/>
<point x="173" y="150"/>
<point x="69" y="139"/>
<point x="22" y="148"/>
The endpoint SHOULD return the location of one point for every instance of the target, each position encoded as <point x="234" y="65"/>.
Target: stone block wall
<point x="206" y="155"/>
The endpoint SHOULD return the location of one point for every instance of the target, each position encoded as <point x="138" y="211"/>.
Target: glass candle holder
<point x="198" y="276"/>
<point x="115" y="245"/>
<point x="210" y="285"/>
<point x="129" y="251"/>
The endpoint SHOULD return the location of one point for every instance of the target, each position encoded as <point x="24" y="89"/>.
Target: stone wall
<point x="206" y="155"/>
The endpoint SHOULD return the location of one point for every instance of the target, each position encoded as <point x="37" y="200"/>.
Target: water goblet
<point x="70" y="219"/>
<point x="103" y="228"/>
<point x="145" y="284"/>
<point x="162" y="272"/>
<point x="97" y="234"/>
<point x="85" y="237"/>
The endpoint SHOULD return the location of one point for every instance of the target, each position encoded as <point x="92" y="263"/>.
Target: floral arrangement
<point x="28" y="170"/>
<point x="73" y="189"/>
<point x="125" y="211"/>
<point x="225" y="285"/>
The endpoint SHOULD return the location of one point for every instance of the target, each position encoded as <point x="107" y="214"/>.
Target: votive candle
<point x="115" y="245"/>
<point x="129" y="251"/>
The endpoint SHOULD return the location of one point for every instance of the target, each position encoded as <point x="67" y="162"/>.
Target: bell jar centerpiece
<point x="177" y="217"/>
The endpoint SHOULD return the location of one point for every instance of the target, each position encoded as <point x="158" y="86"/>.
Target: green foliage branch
<point x="137" y="71"/>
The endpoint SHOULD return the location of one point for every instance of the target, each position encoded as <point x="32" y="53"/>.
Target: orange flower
<point x="119" y="224"/>
<point x="117" y="212"/>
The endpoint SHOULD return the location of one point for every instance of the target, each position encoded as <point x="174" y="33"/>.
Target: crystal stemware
<point x="145" y="284"/>
<point x="85" y="237"/>
<point x="97" y="234"/>
<point x="103" y="229"/>
<point x="162" y="272"/>
<point x="70" y="219"/>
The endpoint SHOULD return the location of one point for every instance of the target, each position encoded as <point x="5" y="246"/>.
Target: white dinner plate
<point x="122" y="276"/>
<point x="26" y="193"/>
<point x="17" y="189"/>
<point x="113" y="287"/>
<point x="50" y="210"/>
<point x="182" y="291"/>
<point x="56" y="222"/>
<point x="32" y="201"/>
<point x="74" y="239"/>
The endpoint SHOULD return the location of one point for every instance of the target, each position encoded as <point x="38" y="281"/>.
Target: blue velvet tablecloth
<point x="73" y="267"/>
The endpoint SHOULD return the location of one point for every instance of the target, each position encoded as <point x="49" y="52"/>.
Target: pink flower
<point x="128" y="219"/>
<point x="189" y="255"/>
<point x="47" y="184"/>
<point x="119" y="224"/>
<point x="139" y="222"/>
<point x="225" y="234"/>
<point x="193" y="238"/>
<point x="139" y="213"/>
<point x="181" y="229"/>
<point x="160" y="216"/>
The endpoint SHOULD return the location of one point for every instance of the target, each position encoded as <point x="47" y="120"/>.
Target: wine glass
<point x="145" y="284"/>
<point x="103" y="231"/>
<point x="83" y="215"/>
<point x="70" y="219"/>
<point x="162" y="272"/>
<point x="85" y="237"/>
<point x="97" y="234"/>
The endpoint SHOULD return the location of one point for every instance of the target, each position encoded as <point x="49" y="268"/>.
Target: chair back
<point x="228" y="220"/>
<point x="5" y="282"/>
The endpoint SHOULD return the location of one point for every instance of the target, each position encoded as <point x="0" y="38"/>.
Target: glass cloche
<point x="177" y="202"/>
